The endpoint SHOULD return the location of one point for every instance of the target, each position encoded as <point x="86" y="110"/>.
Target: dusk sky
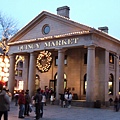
<point x="93" y="13"/>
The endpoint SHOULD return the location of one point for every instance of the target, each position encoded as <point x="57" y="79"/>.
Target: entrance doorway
<point x="53" y="83"/>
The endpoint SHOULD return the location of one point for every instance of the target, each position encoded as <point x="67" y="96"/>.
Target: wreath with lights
<point x="44" y="61"/>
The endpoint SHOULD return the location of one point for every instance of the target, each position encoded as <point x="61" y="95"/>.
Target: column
<point x="32" y="74"/>
<point x="11" y="79"/>
<point x="90" y="92"/>
<point x="25" y="72"/>
<point x="60" y="78"/>
<point x="117" y="75"/>
<point x="106" y="74"/>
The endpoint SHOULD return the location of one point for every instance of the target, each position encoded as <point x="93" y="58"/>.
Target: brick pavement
<point x="55" y="112"/>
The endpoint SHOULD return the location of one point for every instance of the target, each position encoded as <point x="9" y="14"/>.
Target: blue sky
<point x="94" y="13"/>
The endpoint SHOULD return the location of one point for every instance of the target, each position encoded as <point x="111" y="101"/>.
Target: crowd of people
<point x="26" y="103"/>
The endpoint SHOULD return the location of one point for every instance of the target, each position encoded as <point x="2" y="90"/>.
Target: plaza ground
<point x="55" y="112"/>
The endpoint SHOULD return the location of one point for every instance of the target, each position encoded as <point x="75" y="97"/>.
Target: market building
<point x="54" y="51"/>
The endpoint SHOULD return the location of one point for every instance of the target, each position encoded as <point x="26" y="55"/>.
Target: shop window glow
<point x="21" y="85"/>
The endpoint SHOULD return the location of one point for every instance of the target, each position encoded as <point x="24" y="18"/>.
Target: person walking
<point x="27" y="103"/>
<point x="21" y="102"/>
<point x="69" y="99"/>
<point x="116" y="104"/>
<point x="4" y="103"/>
<point x="38" y="99"/>
<point x="16" y="98"/>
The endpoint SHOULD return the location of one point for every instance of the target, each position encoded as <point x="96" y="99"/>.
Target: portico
<point x="89" y="52"/>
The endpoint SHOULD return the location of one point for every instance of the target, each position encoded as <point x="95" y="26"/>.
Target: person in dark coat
<point x="4" y="103"/>
<point x="27" y="102"/>
<point x="116" y="104"/>
<point x="21" y="102"/>
<point x="38" y="99"/>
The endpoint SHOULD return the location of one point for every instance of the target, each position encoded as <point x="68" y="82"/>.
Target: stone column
<point x="60" y="78"/>
<point x="90" y="92"/>
<point x="106" y="74"/>
<point x="11" y="79"/>
<point x="25" y="72"/>
<point x="117" y="75"/>
<point x="32" y="74"/>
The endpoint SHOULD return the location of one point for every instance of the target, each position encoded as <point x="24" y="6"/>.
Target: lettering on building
<point x="62" y="42"/>
<point x="29" y="46"/>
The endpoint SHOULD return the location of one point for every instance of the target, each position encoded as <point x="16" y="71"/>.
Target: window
<point x="85" y="84"/>
<point x="21" y="64"/>
<point x="110" y="85"/>
<point x="85" y="58"/>
<point x="56" y="60"/>
<point x="16" y="72"/>
<point x="46" y="29"/>
<point x="111" y="58"/>
<point x="20" y="73"/>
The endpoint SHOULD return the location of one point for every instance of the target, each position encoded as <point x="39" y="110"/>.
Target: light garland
<point x="44" y="61"/>
<point x="4" y="68"/>
<point x="18" y="59"/>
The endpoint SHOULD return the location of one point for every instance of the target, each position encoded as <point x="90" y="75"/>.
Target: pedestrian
<point x="52" y="99"/>
<point x="69" y="99"/>
<point x="27" y="103"/>
<point x="21" y="102"/>
<point x="66" y="99"/>
<point x="10" y="97"/>
<point x="4" y="103"/>
<point x="16" y="98"/>
<point x="38" y="99"/>
<point x="116" y="104"/>
<point x="43" y="98"/>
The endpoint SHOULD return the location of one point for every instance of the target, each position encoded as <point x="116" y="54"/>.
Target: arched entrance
<point x="53" y="83"/>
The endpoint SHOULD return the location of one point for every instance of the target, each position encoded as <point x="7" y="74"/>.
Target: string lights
<point x="4" y="61"/>
<point x="44" y="61"/>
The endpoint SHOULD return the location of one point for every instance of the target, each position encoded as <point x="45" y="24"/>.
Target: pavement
<point x="56" y="112"/>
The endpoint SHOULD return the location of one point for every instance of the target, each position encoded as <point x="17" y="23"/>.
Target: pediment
<point x="58" y="25"/>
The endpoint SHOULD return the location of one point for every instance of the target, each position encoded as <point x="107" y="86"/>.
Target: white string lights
<point x="44" y="61"/>
<point x="4" y="68"/>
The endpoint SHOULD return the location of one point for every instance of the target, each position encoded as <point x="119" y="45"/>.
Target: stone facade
<point x="88" y="54"/>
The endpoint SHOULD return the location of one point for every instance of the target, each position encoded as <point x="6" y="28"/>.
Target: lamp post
<point x="4" y="61"/>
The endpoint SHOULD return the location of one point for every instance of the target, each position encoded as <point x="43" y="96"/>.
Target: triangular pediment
<point x="58" y="25"/>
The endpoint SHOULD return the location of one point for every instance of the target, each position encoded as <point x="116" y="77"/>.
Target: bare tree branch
<point x="8" y="27"/>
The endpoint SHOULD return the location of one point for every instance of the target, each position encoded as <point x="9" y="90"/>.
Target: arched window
<point x="37" y="81"/>
<point x="65" y="81"/>
<point x="110" y="84"/>
<point x="85" y="84"/>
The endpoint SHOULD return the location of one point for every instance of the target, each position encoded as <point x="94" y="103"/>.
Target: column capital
<point x="60" y="50"/>
<point x="91" y="47"/>
<point x="12" y="55"/>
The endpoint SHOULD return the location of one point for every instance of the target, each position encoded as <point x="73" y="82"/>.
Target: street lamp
<point x="4" y="61"/>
